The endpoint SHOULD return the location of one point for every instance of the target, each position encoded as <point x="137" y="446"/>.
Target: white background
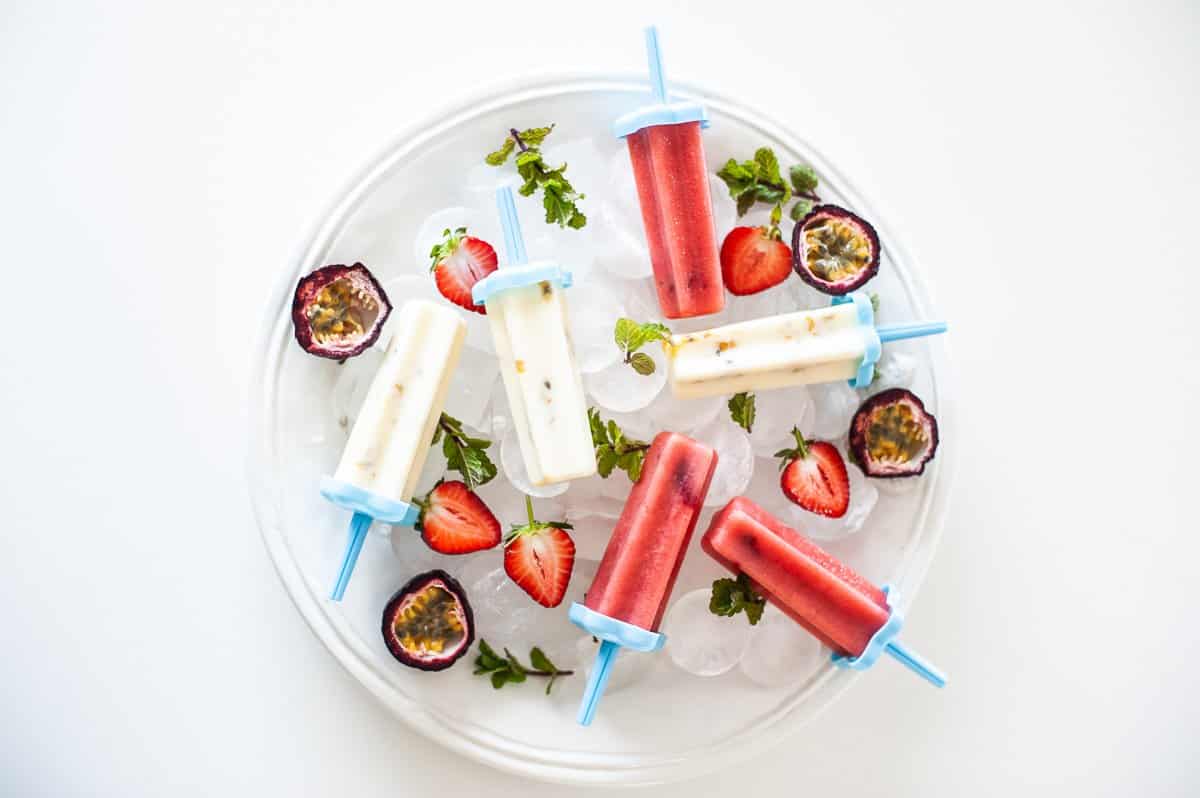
<point x="160" y="162"/>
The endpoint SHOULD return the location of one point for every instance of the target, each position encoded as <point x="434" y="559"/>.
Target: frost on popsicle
<point x="339" y="311"/>
<point x="559" y="197"/>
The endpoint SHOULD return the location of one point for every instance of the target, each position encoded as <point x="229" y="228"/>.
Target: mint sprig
<point x="509" y="669"/>
<point x="731" y="596"/>
<point x="741" y="410"/>
<point x="614" y="450"/>
<point x="559" y="197"/>
<point x="759" y="180"/>
<point x="464" y="454"/>
<point x="631" y="336"/>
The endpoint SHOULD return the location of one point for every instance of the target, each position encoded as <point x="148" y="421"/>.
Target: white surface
<point x="160" y="163"/>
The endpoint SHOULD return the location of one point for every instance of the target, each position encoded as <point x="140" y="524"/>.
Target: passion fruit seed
<point x="835" y="250"/>
<point x="341" y="312"/>
<point x="430" y="622"/>
<point x="896" y="435"/>
<point x="893" y="435"/>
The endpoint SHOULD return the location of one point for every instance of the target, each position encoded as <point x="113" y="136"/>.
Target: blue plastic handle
<point x="912" y="661"/>
<point x="360" y="524"/>
<point x="658" y="81"/>
<point x="514" y="244"/>
<point x="597" y="681"/>
<point x="915" y="329"/>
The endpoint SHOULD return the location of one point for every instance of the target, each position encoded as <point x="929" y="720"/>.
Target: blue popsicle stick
<point x="514" y="244"/>
<point x="658" y="81"/>
<point x="360" y="523"/>
<point x="912" y="661"/>
<point x="915" y="329"/>
<point x="597" y="681"/>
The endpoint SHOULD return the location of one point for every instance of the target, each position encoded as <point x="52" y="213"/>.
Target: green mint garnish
<point x="559" y="197"/>
<point x="741" y="410"/>
<point x="731" y="596"/>
<point x="631" y="336"/>
<point x="508" y="668"/>
<point x="614" y="450"/>
<point x="759" y="180"/>
<point x="464" y="454"/>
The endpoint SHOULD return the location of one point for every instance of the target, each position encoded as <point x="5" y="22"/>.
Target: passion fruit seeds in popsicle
<point x="893" y="435"/>
<point x="428" y="623"/>
<point x="338" y="311"/>
<point x="834" y="250"/>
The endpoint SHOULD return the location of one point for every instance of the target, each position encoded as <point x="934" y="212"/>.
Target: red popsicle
<point x="829" y="599"/>
<point x="673" y="191"/>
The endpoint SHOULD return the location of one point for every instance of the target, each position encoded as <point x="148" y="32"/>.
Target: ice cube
<point x="627" y="669"/>
<point x="619" y="388"/>
<point x="684" y="415"/>
<point x="350" y="388"/>
<point x="618" y="219"/>
<point x="735" y="460"/>
<point x="781" y="652"/>
<point x="701" y="643"/>
<point x="513" y="465"/>
<point x="472" y="386"/>
<point x="724" y="207"/>
<point x="595" y="305"/>
<point x="591" y="534"/>
<point x="412" y="552"/>
<point x="834" y="405"/>
<point x="776" y="412"/>
<point x="895" y="369"/>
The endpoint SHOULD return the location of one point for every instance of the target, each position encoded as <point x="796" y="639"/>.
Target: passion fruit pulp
<point x="428" y="623"/>
<point x="833" y="250"/>
<point x="893" y="435"/>
<point x="338" y="311"/>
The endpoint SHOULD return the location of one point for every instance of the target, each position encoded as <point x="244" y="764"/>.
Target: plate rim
<point x="601" y="770"/>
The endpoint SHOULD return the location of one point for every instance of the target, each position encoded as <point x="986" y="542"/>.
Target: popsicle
<point x="842" y="609"/>
<point x="386" y="451"/>
<point x="527" y="312"/>
<point x="840" y="342"/>
<point x="626" y="601"/>
<point x="667" y="155"/>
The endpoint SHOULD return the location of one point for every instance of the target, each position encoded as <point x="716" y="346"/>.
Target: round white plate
<point x="669" y="724"/>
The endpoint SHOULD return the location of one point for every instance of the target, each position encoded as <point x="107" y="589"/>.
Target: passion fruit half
<point x="428" y="623"/>
<point x="833" y="250"/>
<point x="893" y="435"/>
<point x="338" y="311"/>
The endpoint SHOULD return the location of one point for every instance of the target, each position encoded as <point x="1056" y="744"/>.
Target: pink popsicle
<point x="673" y="191"/>
<point x="842" y="609"/>
<point x="645" y="551"/>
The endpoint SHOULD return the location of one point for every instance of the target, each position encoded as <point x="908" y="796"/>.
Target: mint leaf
<point x="614" y="450"/>
<point x="768" y="165"/>
<point x="497" y="157"/>
<point x="534" y="136"/>
<point x="642" y="363"/>
<point x="803" y="178"/>
<point x="801" y="209"/>
<point x="559" y="198"/>
<point x="509" y="670"/>
<point x="731" y="596"/>
<point x="465" y="454"/>
<point x="741" y="410"/>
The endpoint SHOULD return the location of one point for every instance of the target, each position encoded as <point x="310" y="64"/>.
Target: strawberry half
<point x="459" y="262"/>
<point x="539" y="557"/>
<point x="814" y="477"/>
<point x="753" y="259"/>
<point x="454" y="520"/>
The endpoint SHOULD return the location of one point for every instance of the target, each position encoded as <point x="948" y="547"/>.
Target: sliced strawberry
<point x="459" y="262"/>
<point x="456" y="521"/>
<point x="753" y="259"/>
<point x="814" y="477"/>
<point x="539" y="558"/>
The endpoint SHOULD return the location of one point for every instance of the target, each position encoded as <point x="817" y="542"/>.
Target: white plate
<point x="671" y="725"/>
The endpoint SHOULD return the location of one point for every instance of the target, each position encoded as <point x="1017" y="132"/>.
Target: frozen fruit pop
<point x="839" y="607"/>
<point x="383" y="458"/>
<point x="527" y="311"/>
<point x="626" y="600"/>
<point x="667" y="156"/>
<point x="840" y="342"/>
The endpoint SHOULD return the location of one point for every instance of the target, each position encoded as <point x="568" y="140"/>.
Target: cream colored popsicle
<point x="390" y="439"/>
<point x="541" y="379"/>
<point x="801" y="348"/>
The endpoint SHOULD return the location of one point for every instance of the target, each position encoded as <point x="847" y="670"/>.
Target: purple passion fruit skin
<point x="338" y="311"/>
<point x="428" y="623"/>
<point x="835" y="251"/>
<point x="892" y="435"/>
